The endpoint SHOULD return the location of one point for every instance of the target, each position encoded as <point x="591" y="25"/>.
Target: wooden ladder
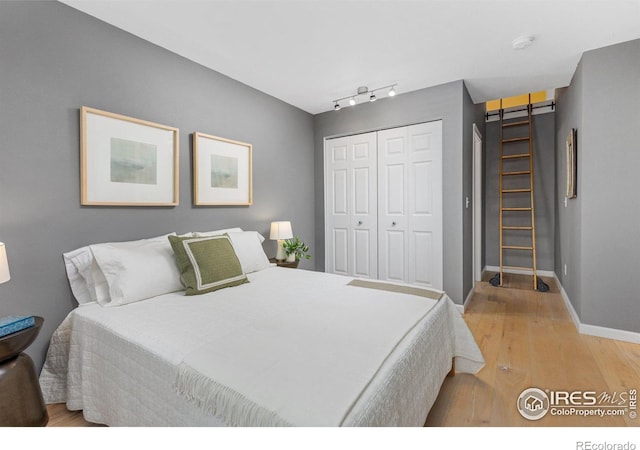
<point x="524" y="175"/>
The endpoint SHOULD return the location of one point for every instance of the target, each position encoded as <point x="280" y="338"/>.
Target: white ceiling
<point x="310" y="52"/>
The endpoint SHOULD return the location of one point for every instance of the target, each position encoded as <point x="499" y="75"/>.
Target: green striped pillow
<point x="207" y="264"/>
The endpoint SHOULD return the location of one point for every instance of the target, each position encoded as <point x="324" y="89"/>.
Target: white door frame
<point x="477" y="205"/>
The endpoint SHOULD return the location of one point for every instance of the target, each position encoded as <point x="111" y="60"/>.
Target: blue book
<point x="13" y="324"/>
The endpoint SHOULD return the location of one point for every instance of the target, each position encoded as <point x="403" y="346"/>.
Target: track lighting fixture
<point x="363" y="90"/>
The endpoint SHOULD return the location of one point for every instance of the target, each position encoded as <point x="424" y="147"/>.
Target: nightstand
<point x="290" y="265"/>
<point x="21" y="402"/>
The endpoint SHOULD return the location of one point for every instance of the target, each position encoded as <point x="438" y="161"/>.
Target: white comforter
<point x="347" y="356"/>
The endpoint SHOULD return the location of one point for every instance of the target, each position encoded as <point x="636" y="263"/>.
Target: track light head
<point x="336" y="107"/>
<point x="352" y="101"/>
<point x="392" y="92"/>
<point x="373" y="97"/>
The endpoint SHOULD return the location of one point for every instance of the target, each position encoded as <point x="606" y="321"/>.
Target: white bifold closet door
<point x="351" y="216"/>
<point x="410" y="204"/>
<point x="383" y="205"/>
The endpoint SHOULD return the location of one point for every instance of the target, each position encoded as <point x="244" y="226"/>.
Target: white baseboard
<point x="567" y="303"/>
<point x="591" y="330"/>
<point x="544" y="273"/>
<point x="595" y="330"/>
<point x="610" y="333"/>
<point x="466" y="300"/>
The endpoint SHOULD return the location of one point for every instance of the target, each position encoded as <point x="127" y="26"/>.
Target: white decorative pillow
<point x="134" y="270"/>
<point x="248" y="248"/>
<point x="216" y="232"/>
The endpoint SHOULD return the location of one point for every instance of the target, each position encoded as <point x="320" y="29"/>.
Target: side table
<point x="290" y="265"/>
<point x="21" y="402"/>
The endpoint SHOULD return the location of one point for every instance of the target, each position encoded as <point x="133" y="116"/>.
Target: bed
<point x="286" y="347"/>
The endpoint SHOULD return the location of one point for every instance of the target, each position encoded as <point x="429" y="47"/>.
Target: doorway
<point x="477" y="205"/>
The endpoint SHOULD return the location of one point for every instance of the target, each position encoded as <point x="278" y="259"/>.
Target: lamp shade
<point x="4" y="265"/>
<point x="281" y="230"/>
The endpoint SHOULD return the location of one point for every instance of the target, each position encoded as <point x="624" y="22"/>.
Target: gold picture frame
<point x="572" y="164"/>
<point x="222" y="171"/>
<point x="126" y="161"/>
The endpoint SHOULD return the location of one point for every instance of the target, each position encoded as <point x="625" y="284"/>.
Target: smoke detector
<point x="522" y="42"/>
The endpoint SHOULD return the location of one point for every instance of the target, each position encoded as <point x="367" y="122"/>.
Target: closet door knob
<point x="359" y="222"/>
<point x="393" y="224"/>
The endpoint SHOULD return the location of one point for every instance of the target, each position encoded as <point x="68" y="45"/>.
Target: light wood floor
<point x="528" y="340"/>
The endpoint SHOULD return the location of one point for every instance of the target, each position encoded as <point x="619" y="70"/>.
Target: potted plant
<point x="295" y="249"/>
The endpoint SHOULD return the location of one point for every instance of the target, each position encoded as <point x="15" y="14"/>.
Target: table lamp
<point x="280" y="231"/>
<point x="4" y="265"/>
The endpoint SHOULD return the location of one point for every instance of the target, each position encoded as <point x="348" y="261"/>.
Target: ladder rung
<point x="517" y="228"/>
<point x="511" y="191"/>
<point x="516" y="209"/>
<point x="517" y="268"/>
<point x="515" y="124"/>
<point x="518" y="139"/>
<point x="521" y="155"/>
<point x="519" y="172"/>
<point x="516" y="247"/>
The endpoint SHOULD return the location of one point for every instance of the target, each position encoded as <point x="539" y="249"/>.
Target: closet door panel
<point x="392" y="204"/>
<point x="394" y="185"/>
<point x="362" y="253"/>
<point x="340" y="256"/>
<point x="337" y="192"/>
<point x="351" y="205"/>
<point x="340" y="192"/>
<point x="395" y="262"/>
<point x="361" y="192"/>
<point x="337" y="240"/>
<point x="421" y="264"/>
<point x="364" y="215"/>
<point x="422" y="195"/>
<point x="425" y="204"/>
<point x="364" y="211"/>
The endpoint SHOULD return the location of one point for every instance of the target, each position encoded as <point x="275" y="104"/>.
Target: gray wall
<point x="544" y="193"/>
<point x="441" y="102"/>
<point x="602" y="103"/>
<point x="54" y="60"/>
<point x="568" y="245"/>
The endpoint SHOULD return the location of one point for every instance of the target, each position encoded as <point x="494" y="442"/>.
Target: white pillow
<point x="248" y="248"/>
<point x="88" y="283"/>
<point x="97" y="282"/>
<point x="135" y="270"/>
<point x="216" y="232"/>
<point x="77" y="262"/>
